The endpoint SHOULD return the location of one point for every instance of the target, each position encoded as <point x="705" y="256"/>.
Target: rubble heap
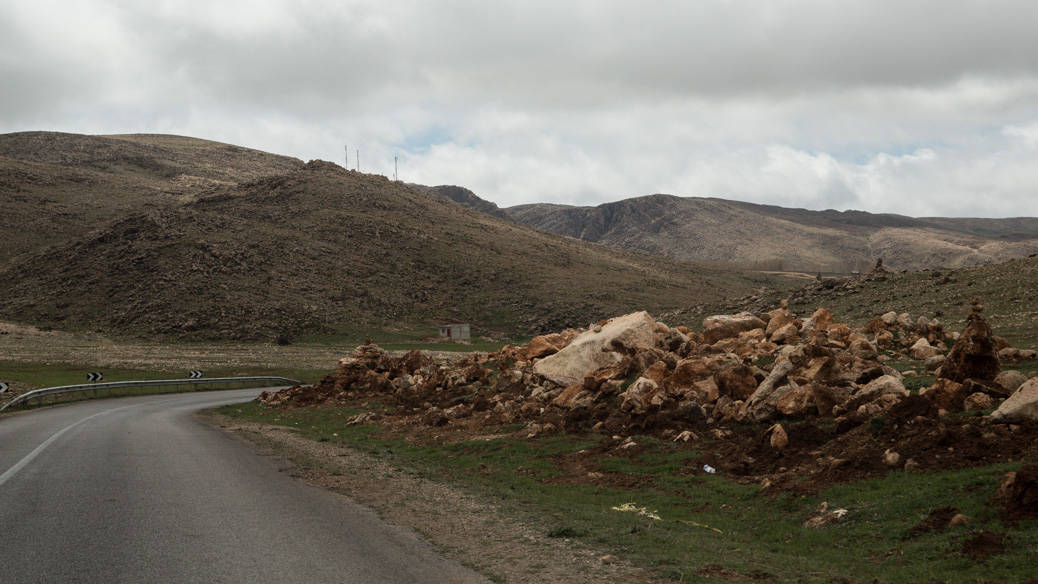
<point x="632" y="374"/>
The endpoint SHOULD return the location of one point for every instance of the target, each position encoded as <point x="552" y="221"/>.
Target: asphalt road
<point x="137" y="490"/>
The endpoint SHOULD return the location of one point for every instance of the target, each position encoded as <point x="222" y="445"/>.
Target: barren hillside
<point x="770" y="237"/>
<point x="322" y="249"/>
<point x="55" y="187"/>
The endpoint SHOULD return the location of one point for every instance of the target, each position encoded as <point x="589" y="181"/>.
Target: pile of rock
<point x="632" y="373"/>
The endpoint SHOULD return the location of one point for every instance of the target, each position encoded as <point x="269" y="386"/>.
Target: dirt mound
<point x="1019" y="494"/>
<point x="937" y="520"/>
<point x="841" y="414"/>
<point x="984" y="544"/>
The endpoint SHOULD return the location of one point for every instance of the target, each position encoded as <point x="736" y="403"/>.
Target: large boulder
<point x="975" y="353"/>
<point x="737" y="382"/>
<point x="947" y="395"/>
<point x="1022" y="405"/>
<point x="725" y="326"/>
<point x="601" y="346"/>
<point x="922" y="350"/>
<point x="762" y="403"/>
<point x="1010" y="380"/>
<point x="884" y="385"/>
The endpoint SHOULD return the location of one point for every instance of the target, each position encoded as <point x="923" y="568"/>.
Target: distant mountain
<point x="463" y="197"/>
<point x="297" y="249"/>
<point x="777" y="238"/>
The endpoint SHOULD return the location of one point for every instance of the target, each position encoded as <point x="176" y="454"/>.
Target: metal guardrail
<point x="40" y="393"/>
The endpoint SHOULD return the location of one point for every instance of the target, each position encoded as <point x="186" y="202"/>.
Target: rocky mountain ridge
<point x="778" y="238"/>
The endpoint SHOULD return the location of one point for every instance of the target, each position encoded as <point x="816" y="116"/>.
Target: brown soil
<point x="466" y="528"/>
<point x="839" y="455"/>
<point x="1021" y="498"/>
<point x="984" y="544"/>
<point x="937" y="520"/>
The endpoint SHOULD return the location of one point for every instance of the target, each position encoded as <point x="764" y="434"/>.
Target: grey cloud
<point x="786" y="102"/>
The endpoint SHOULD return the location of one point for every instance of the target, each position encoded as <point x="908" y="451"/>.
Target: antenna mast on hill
<point x="394" y="169"/>
<point x="358" y="159"/>
<point x="347" y="147"/>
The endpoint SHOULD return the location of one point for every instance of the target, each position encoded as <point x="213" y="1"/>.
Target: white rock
<point x="1010" y="380"/>
<point x="1022" y="405"/>
<point x="593" y="350"/>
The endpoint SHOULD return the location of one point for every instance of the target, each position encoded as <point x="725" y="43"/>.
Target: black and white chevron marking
<point x="4" y="387"/>
<point x="95" y="376"/>
<point x="194" y="374"/>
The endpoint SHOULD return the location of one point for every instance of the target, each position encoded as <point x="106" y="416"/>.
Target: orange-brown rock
<point x="544" y="345"/>
<point x="752" y="336"/>
<point x="567" y="395"/>
<point x="825" y="397"/>
<point x="796" y="403"/>
<point x="705" y="391"/>
<point x="725" y="326"/>
<point x="779" y="439"/>
<point x="875" y="325"/>
<point x="978" y="401"/>
<point x="821" y="320"/>
<point x="947" y="395"/>
<point x="734" y="345"/>
<point x="736" y="382"/>
<point x="884" y="339"/>
<point x="787" y="333"/>
<point x="657" y="372"/>
<point x="822" y="370"/>
<point x="778" y="319"/>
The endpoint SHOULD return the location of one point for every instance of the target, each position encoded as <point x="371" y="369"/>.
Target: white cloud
<point x="919" y="107"/>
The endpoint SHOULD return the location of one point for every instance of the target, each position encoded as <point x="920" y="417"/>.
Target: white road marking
<point x="36" y="452"/>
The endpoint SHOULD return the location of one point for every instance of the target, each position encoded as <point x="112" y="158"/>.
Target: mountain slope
<point x="55" y="186"/>
<point x="322" y="249"/>
<point x="463" y="197"/>
<point x="770" y="237"/>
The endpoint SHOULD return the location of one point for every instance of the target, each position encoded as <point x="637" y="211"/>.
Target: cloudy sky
<point x="913" y="107"/>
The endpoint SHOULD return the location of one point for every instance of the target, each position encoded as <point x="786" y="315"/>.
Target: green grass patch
<point x="704" y="519"/>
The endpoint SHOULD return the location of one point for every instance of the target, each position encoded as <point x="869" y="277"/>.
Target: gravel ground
<point x="467" y="529"/>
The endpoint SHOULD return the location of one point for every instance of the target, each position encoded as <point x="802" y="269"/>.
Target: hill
<point x="55" y="186"/>
<point x="463" y="197"/>
<point x="777" y="238"/>
<point x="321" y="249"/>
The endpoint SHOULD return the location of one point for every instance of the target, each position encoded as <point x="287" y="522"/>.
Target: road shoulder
<point x="466" y="529"/>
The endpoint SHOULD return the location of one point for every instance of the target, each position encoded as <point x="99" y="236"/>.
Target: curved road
<point x="137" y="490"/>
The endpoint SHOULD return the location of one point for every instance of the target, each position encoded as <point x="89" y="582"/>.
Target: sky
<point x="924" y="108"/>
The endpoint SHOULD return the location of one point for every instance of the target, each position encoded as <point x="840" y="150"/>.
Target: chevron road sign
<point x="95" y="376"/>
<point x="195" y="374"/>
<point x="4" y="387"/>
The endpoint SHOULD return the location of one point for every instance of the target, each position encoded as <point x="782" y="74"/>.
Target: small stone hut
<point x="456" y="332"/>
